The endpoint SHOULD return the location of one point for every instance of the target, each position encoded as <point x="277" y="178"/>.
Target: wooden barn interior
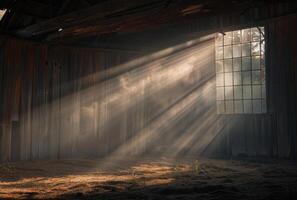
<point x="148" y="99"/>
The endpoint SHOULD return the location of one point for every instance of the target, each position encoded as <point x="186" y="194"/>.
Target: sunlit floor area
<point x="187" y="178"/>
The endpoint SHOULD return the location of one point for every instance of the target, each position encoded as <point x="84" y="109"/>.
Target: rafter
<point x="94" y="13"/>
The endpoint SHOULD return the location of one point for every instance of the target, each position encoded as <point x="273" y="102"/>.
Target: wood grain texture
<point x="57" y="102"/>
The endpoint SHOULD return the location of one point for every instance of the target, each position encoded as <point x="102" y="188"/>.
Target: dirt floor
<point x="149" y="179"/>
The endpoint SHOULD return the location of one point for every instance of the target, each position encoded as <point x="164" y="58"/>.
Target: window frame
<point x="256" y="74"/>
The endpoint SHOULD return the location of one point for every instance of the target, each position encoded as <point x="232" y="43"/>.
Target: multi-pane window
<point x="240" y="71"/>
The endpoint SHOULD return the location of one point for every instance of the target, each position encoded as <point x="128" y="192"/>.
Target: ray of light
<point x="168" y="98"/>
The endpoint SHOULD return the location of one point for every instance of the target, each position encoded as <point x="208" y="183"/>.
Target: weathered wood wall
<point x="35" y="79"/>
<point x="61" y="102"/>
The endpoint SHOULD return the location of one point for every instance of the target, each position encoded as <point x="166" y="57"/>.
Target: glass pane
<point x="246" y="35"/>
<point x="237" y="50"/>
<point x="246" y="64"/>
<point x="247" y="106"/>
<point x="256" y="91"/>
<point x="255" y="62"/>
<point x="229" y="107"/>
<point x="228" y="38"/>
<point x="220" y="79"/>
<point x="237" y="64"/>
<point x="229" y="92"/>
<point x="219" y="40"/>
<point x="237" y="78"/>
<point x="219" y="66"/>
<point x="262" y="33"/>
<point x="262" y="62"/>
<point x="228" y="65"/>
<point x="256" y="35"/>
<point x="236" y="37"/>
<point x="263" y="48"/>
<point x="264" y="106"/>
<point x="227" y="51"/>
<point x="263" y="91"/>
<point x="246" y="49"/>
<point x="220" y="107"/>
<point x="246" y="78"/>
<point x="220" y="93"/>
<point x="237" y="92"/>
<point x="228" y="79"/>
<point x="256" y="77"/>
<point x="262" y="76"/>
<point x="256" y="106"/>
<point x="247" y="92"/>
<point x="238" y="106"/>
<point x="219" y="53"/>
<point x="255" y="48"/>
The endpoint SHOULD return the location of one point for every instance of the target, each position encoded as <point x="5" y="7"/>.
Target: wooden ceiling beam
<point x="127" y="15"/>
<point x="93" y="13"/>
<point x="151" y="17"/>
<point x="120" y="23"/>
